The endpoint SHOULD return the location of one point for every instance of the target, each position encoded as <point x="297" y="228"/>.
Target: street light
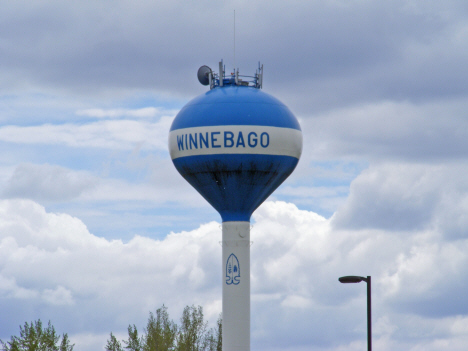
<point x="357" y="279"/>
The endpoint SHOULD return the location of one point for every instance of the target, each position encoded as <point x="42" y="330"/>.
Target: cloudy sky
<point x="97" y="228"/>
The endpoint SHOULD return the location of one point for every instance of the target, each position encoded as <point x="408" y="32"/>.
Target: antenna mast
<point x="234" y="40"/>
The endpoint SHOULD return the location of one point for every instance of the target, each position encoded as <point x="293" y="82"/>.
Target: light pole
<point x="357" y="279"/>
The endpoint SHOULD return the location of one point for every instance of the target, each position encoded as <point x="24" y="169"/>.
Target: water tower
<point x="235" y="145"/>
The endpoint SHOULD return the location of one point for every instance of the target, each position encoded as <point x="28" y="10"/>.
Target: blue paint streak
<point x="235" y="184"/>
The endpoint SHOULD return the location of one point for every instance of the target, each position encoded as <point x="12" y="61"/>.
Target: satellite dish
<point x="203" y="75"/>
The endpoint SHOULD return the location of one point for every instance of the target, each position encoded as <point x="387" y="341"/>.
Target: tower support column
<point x="236" y="286"/>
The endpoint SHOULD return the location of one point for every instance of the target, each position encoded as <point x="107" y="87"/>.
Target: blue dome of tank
<point x="235" y="145"/>
<point x="235" y="105"/>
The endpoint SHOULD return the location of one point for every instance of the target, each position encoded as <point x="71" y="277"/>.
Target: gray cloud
<point x="340" y="54"/>
<point x="406" y="197"/>
<point x="430" y="132"/>
<point x="47" y="183"/>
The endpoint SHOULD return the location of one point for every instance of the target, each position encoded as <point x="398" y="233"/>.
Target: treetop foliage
<point x="163" y="334"/>
<point x="35" y="337"/>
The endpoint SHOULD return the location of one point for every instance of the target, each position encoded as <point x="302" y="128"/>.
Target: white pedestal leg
<point x="236" y="286"/>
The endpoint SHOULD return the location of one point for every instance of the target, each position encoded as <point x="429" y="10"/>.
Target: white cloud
<point x="296" y="259"/>
<point x="153" y="191"/>
<point x="108" y="134"/>
<point x="145" y="112"/>
<point x="9" y="288"/>
<point x="59" y="296"/>
<point x="314" y="192"/>
<point x="69" y="266"/>
<point x="112" y="206"/>
<point x="52" y="183"/>
<point x="296" y="301"/>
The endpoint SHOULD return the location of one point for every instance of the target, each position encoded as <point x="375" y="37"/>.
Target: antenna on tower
<point x="234" y="40"/>
<point x="207" y="77"/>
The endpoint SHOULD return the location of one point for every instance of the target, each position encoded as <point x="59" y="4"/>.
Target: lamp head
<point x="352" y="279"/>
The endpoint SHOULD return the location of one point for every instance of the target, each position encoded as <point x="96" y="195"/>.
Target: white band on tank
<point x="245" y="139"/>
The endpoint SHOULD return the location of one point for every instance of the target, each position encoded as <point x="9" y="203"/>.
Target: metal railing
<point x="220" y="79"/>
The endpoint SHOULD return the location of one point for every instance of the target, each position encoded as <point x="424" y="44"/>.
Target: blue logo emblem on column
<point x="232" y="270"/>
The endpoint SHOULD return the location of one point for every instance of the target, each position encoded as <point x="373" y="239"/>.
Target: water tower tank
<point x="235" y="145"/>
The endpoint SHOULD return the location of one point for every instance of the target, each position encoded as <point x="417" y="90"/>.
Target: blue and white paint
<point x="235" y="145"/>
<point x="234" y="139"/>
<point x="232" y="270"/>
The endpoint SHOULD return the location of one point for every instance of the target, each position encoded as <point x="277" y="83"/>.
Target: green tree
<point x="113" y="344"/>
<point x="134" y="342"/>
<point x="192" y="334"/>
<point x="34" y="337"/>
<point x="214" y="337"/>
<point x="218" y="335"/>
<point x="160" y="332"/>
